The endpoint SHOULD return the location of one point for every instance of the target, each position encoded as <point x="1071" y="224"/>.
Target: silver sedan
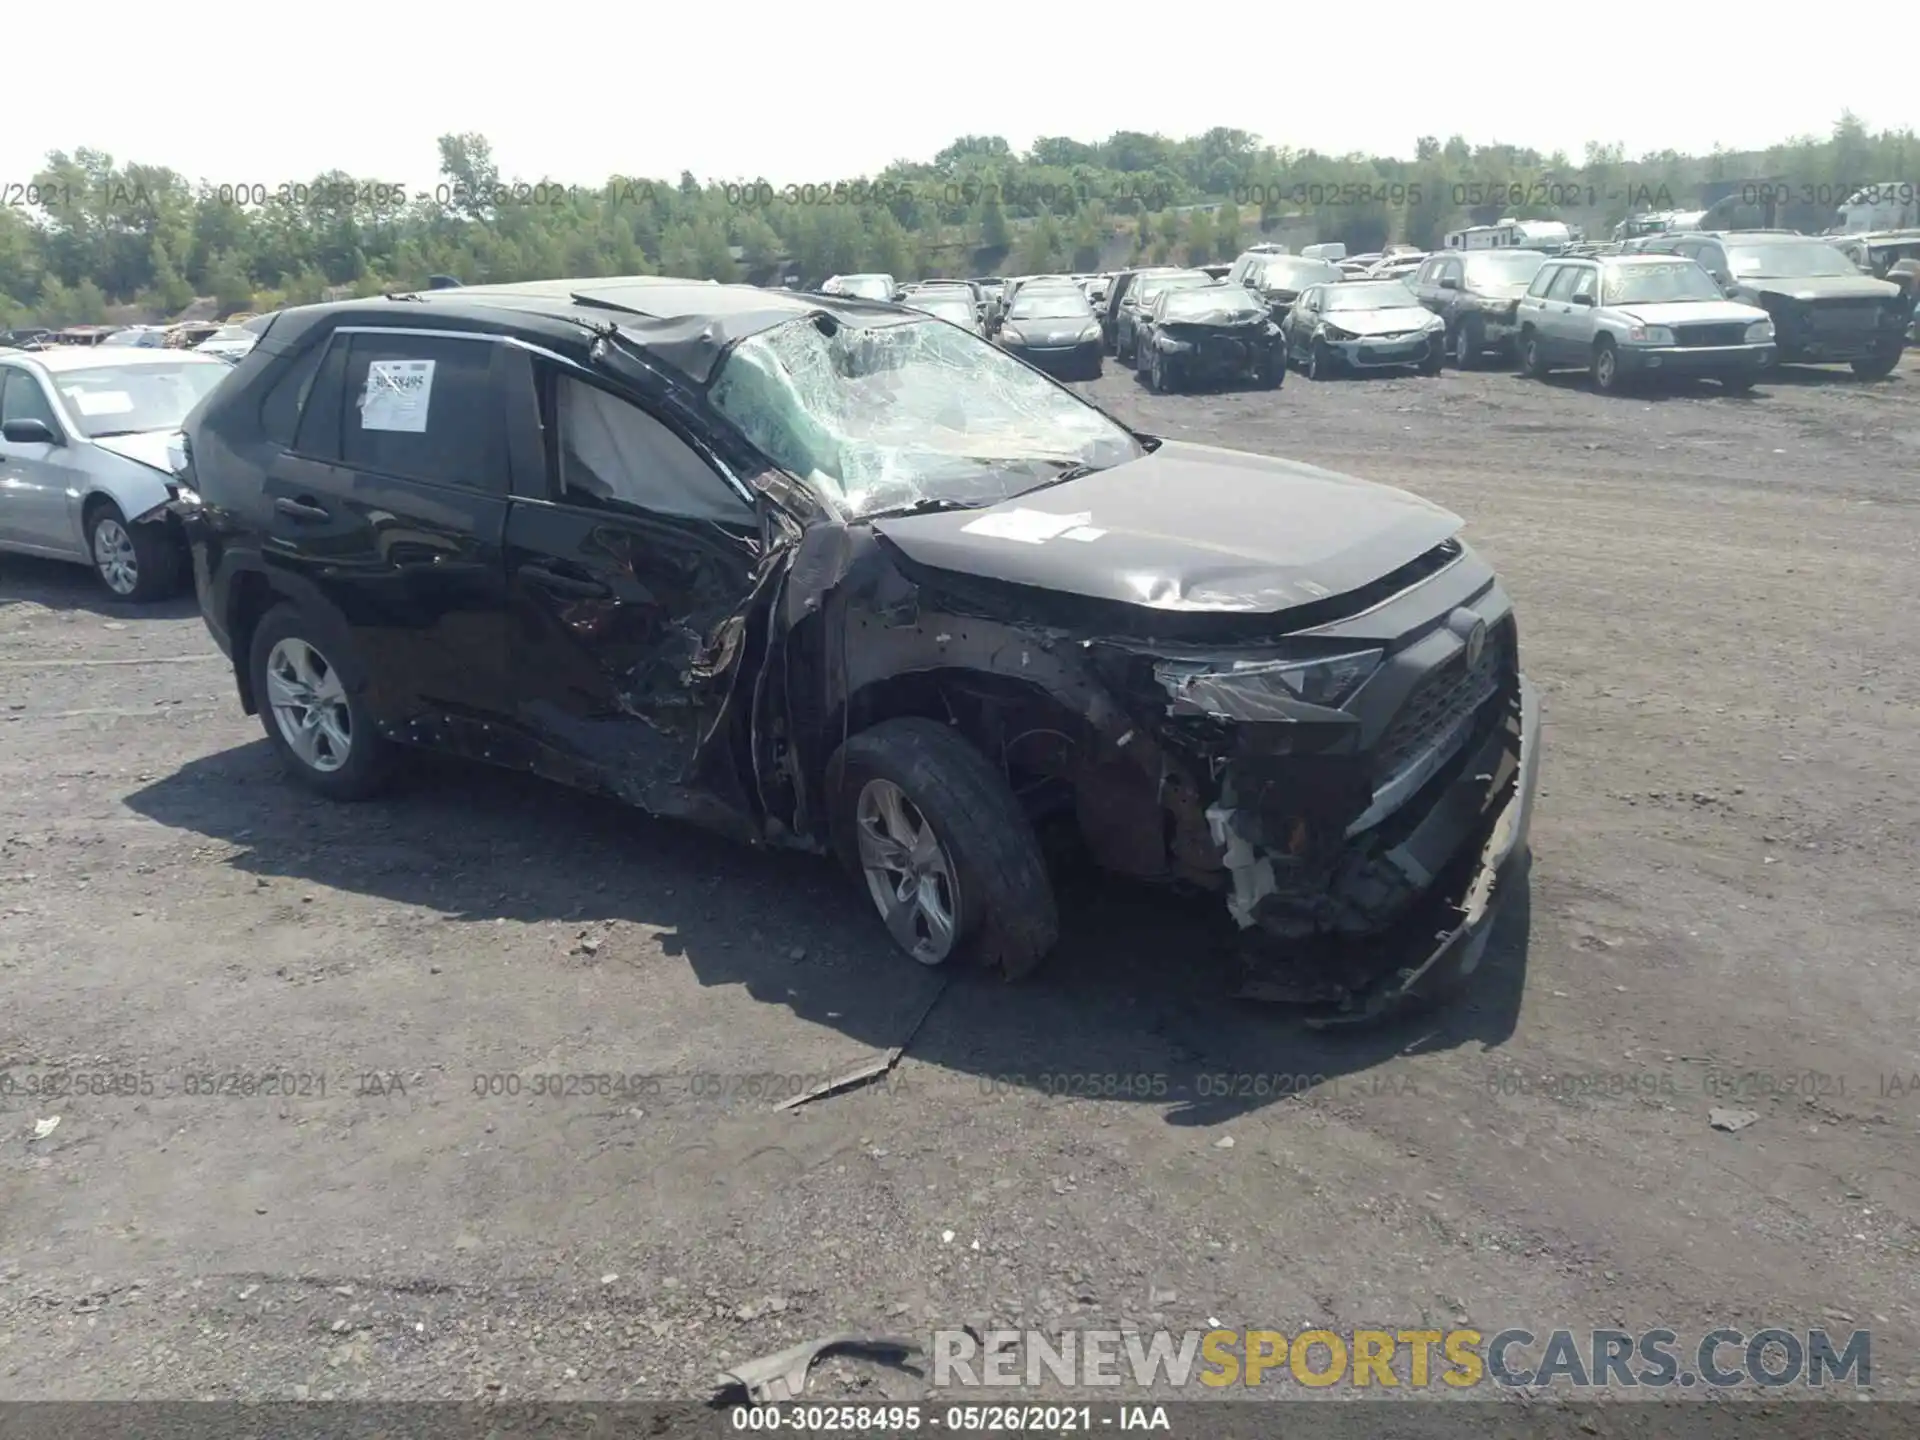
<point x="88" y="451"/>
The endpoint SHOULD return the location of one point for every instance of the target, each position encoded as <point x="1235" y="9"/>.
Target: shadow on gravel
<point x="1134" y="1003"/>
<point x="57" y="585"/>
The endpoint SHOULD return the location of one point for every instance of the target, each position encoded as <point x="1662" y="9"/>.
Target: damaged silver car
<point x="826" y="573"/>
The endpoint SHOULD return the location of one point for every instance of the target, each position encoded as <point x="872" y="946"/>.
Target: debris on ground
<point x="46" y="1127"/>
<point x="782" y="1376"/>
<point x="1731" y="1120"/>
<point x="867" y="1070"/>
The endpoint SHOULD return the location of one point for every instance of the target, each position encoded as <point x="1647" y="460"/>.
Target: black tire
<point x="1271" y="373"/>
<point x="1097" y="368"/>
<point x="1876" y="367"/>
<point x="1005" y="915"/>
<point x="1469" y="338"/>
<point x="1532" y="364"/>
<point x="1159" y="374"/>
<point x="1431" y="365"/>
<point x="1608" y="378"/>
<point x="153" y="551"/>
<point x="1126" y="354"/>
<point x="1319" y="361"/>
<point x="370" y="756"/>
<point x="1738" y="384"/>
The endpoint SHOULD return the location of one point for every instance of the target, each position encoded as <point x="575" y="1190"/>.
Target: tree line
<point x="87" y="236"/>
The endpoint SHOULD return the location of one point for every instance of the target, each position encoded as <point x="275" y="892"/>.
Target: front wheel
<point x="1737" y="384"/>
<point x="1159" y="379"/>
<point x="1431" y="365"/>
<point x="313" y="714"/>
<point x="1876" y="367"/>
<point x="1532" y="362"/>
<point x="1319" y="361"/>
<point x="1606" y="368"/>
<point x="1469" y="339"/>
<point x="140" y="563"/>
<point x="947" y="855"/>
<point x="1271" y="373"/>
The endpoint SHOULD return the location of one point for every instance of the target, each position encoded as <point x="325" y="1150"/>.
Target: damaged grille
<point x="1732" y="334"/>
<point x="1441" y="703"/>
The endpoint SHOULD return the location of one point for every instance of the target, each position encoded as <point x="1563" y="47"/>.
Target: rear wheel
<point x="140" y="563"/>
<point x="948" y="857"/>
<point x="312" y="711"/>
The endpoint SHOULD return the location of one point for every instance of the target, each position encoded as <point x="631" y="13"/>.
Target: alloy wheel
<point x="309" y="704"/>
<point x="909" y="873"/>
<point x="114" y="556"/>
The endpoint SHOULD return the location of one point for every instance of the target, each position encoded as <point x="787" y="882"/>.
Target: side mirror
<point x="1447" y="282"/>
<point x="29" y="432"/>
<point x="1586" y="300"/>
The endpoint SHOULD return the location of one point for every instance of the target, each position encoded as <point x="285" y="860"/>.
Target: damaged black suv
<point x="824" y="572"/>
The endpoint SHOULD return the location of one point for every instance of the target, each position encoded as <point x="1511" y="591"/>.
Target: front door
<point x="627" y="560"/>
<point x="36" y="512"/>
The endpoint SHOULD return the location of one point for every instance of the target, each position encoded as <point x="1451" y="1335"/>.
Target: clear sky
<point x="264" y="92"/>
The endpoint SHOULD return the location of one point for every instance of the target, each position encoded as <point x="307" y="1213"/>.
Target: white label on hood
<point x="1029" y="527"/>
<point x="100" y="402"/>
<point x="397" y="395"/>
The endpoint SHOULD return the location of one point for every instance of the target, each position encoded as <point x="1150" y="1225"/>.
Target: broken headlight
<point x="1248" y="689"/>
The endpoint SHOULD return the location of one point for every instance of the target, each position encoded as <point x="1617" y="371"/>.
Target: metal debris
<point x="1731" y="1120"/>
<point x="783" y="1376"/>
<point x="868" y="1070"/>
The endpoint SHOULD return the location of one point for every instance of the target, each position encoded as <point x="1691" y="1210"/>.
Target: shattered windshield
<point x="1149" y="286"/>
<point x="1212" y="302"/>
<point x="1658" y="284"/>
<point x="894" y="417"/>
<point x="1789" y="262"/>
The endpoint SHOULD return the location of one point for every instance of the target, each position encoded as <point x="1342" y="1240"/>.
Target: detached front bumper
<point x="1443" y="939"/>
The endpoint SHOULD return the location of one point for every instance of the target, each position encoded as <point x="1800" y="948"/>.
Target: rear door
<point x="627" y="552"/>
<point x="388" y="513"/>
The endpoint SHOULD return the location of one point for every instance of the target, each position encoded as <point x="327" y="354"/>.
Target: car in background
<point x="1825" y="309"/>
<point x="1279" y="279"/>
<point x="1054" y="328"/>
<point x="1142" y="294"/>
<point x="137" y="337"/>
<point x="1397" y="266"/>
<point x="1476" y="294"/>
<point x="25" y="337"/>
<point x="855" y="583"/>
<point x="1207" y="334"/>
<point x="946" y="302"/>
<point x="88" y="458"/>
<point x="229" y="342"/>
<point x="1625" y="317"/>
<point x="1362" y="325"/>
<point x="861" y="287"/>
<point x="1117" y="288"/>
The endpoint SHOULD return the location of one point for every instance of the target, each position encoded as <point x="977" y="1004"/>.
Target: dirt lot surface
<point x="1718" y="596"/>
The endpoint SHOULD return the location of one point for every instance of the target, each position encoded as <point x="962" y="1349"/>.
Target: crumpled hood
<point x="1379" y="322"/>
<point x="149" y="448"/>
<point x="1821" y="287"/>
<point x="1188" y="527"/>
<point x="1695" y="312"/>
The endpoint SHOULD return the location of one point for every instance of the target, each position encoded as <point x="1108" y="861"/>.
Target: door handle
<point x="562" y="584"/>
<point x="299" y="509"/>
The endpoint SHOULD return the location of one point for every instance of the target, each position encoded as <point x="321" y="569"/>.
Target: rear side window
<point x="280" y="409"/>
<point x="418" y="407"/>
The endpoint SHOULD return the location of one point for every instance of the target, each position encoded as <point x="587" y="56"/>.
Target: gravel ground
<point x="1718" y="596"/>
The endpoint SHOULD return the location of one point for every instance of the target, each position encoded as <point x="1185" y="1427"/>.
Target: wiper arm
<point x="926" y="505"/>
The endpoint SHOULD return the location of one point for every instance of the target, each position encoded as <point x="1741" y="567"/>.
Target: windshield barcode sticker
<point x="397" y="395"/>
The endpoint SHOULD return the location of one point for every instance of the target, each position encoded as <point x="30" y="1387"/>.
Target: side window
<point x="1562" y="285"/>
<point x="614" y="456"/>
<point x="280" y="408"/>
<point x="23" y="399"/>
<point x="1586" y="282"/>
<point x="1455" y="270"/>
<point x="1544" y="280"/>
<point x="1712" y="258"/>
<point x="424" y="407"/>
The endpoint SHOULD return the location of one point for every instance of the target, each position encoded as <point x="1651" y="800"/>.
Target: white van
<point x="1332" y="250"/>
